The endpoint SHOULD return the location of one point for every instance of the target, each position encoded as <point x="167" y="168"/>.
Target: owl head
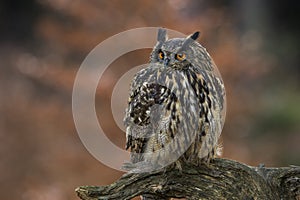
<point x="179" y="53"/>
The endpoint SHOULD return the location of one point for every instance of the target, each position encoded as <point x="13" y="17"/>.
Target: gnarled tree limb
<point x="222" y="179"/>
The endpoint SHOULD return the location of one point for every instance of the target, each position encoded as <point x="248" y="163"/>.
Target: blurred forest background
<point x="255" y="45"/>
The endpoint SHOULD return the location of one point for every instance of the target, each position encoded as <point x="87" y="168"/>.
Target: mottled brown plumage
<point x="176" y="107"/>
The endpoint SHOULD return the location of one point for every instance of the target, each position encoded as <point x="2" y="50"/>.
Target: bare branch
<point x="222" y="179"/>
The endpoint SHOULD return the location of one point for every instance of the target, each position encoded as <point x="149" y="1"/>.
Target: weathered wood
<point x="222" y="179"/>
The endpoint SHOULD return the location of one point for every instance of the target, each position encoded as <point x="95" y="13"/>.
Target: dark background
<point x="254" y="43"/>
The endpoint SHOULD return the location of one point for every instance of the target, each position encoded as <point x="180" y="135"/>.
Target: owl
<point x="176" y="106"/>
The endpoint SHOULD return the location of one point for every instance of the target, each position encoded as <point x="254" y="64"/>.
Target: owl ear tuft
<point x="195" y="35"/>
<point x="162" y="35"/>
<point x="189" y="40"/>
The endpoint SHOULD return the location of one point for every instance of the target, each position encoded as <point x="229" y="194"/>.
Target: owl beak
<point x="166" y="61"/>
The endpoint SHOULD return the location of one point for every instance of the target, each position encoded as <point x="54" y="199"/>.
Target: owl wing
<point x="146" y="120"/>
<point x="162" y="115"/>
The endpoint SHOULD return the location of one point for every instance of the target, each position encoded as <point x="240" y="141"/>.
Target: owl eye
<point x="161" y="55"/>
<point x="180" y="56"/>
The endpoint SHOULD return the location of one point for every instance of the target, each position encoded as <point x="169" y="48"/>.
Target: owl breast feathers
<point x="176" y="106"/>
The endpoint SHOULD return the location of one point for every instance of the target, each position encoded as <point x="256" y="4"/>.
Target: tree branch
<point x="222" y="179"/>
